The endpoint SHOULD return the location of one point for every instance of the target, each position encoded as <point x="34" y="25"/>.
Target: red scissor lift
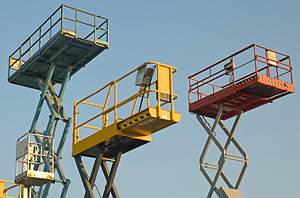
<point x="247" y="79"/>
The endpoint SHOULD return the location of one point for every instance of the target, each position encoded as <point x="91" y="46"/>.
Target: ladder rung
<point x="209" y="165"/>
<point x="59" y="180"/>
<point x="108" y="159"/>
<point x="235" y="157"/>
<point x="38" y="132"/>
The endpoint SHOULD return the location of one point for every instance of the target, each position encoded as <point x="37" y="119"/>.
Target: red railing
<point x="239" y="66"/>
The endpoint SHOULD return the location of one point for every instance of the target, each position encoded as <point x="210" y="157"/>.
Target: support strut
<point x="100" y="160"/>
<point x="57" y="113"/>
<point x="224" y="155"/>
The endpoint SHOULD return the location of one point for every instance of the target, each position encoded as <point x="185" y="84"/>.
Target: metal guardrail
<point x="12" y="185"/>
<point x="243" y="64"/>
<point x="42" y="162"/>
<point x="78" y="23"/>
<point x="111" y="88"/>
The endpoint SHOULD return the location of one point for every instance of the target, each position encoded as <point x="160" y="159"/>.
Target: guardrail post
<point x="62" y="17"/>
<point x="95" y="29"/>
<point x="51" y="27"/>
<point x="20" y="60"/>
<point x="30" y="50"/>
<point x="76" y="18"/>
<point x="40" y="39"/>
<point x="107" y="30"/>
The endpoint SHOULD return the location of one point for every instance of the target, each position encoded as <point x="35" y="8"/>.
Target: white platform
<point x="35" y="178"/>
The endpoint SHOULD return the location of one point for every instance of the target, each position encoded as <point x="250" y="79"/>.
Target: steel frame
<point x="33" y="65"/>
<point x="284" y="63"/>
<point x="223" y="149"/>
<point x="258" y="76"/>
<point x="34" y="161"/>
<point x="119" y="135"/>
<point x="54" y="24"/>
<point x="56" y="108"/>
<point x="89" y="182"/>
<point x="112" y="90"/>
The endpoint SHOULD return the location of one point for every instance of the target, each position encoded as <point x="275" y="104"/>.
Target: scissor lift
<point x="245" y="80"/>
<point x="130" y="127"/>
<point x="60" y="47"/>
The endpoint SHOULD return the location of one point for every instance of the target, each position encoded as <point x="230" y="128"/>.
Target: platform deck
<point x="65" y="49"/>
<point x="128" y="134"/>
<point x="246" y="95"/>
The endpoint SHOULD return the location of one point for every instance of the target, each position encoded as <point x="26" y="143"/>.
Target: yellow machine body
<point x="135" y="129"/>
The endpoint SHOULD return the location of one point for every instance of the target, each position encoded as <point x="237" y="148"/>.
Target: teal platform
<point x="68" y="46"/>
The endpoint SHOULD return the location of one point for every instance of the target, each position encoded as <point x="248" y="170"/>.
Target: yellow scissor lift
<point x="106" y="140"/>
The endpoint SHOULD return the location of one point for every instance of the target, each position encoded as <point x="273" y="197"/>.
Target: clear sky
<point x="189" y="35"/>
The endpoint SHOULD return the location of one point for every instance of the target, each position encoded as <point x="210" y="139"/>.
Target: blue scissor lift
<point x="61" y="46"/>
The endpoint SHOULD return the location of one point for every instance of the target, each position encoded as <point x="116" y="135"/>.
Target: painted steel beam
<point x="223" y="149"/>
<point x="112" y="174"/>
<point x="56" y="113"/>
<point x="96" y="167"/>
<point x="42" y="98"/>
<point x="83" y="176"/>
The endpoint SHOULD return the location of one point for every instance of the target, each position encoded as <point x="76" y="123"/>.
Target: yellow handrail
<point x="134" y="97"/>
<point x="4" y="191"/>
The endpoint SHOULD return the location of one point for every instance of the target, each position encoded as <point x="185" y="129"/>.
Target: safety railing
<point x="163" y="77"/>
<point x="65" y="19"/>
<point x="9" y="186"/>
<point x="31" y="153"/>
<point x="236" y="68"/>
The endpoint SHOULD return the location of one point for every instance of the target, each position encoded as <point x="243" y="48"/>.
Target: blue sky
<point x="189" y="35"/>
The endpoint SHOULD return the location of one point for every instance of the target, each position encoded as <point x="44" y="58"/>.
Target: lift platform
<point x="68" y="40"/>
<point x="65" y="38"/>
<point x="33" y="166"/>
<point x="243" y="81"/>
<point x="247" y="79"/>
<point x="130" y="128"/>
<point x="132" y="132"/>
